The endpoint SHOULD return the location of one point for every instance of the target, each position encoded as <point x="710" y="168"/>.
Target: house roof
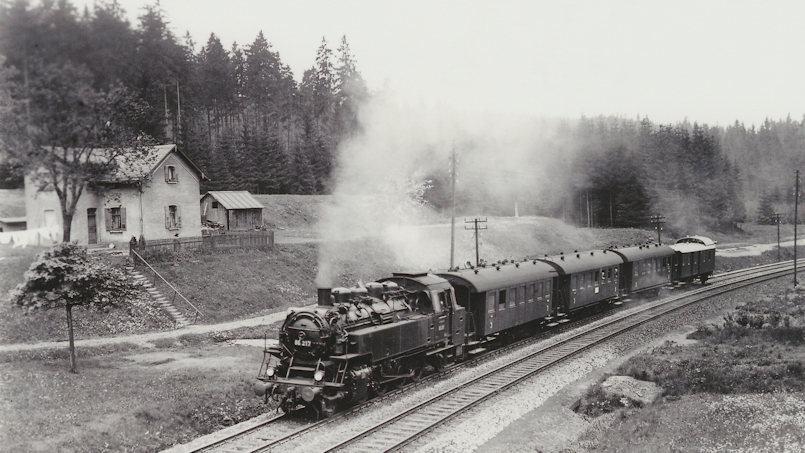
<point x="133" y="169"/>
<point x="235" y="199"/>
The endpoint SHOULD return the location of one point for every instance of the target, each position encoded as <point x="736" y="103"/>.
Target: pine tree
<point x="765" y="211"/>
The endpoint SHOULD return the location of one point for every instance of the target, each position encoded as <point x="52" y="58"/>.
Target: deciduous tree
<point x="64" y="277"/>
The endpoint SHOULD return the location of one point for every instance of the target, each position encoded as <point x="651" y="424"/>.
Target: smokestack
<point x="324" y="297"/>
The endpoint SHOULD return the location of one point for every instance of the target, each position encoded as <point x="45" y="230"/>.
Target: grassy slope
<point x="17" y="326"/>
<point x="733" y="374"/>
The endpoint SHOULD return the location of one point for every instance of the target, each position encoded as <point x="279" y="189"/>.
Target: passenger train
<point x="359" y="342"/>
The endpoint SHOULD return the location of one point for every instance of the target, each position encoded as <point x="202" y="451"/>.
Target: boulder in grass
<point x="631" y="391"/>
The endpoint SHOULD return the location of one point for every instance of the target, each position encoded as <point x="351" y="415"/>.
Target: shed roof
<point x="235" y="199"/>
<point x="583" y="261"/>
<point x="641" y="252"/>
<point x="482" y="279"/>
<point x="13" y="219"/>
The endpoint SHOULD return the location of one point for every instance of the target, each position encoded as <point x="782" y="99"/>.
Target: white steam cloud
<point x="382" y="174"/>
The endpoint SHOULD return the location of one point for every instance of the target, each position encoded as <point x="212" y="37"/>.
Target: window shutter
<point x="176" y="173"/>
<point x="122" y="218"/>
<point x="167" y="176"/>
<point x="107" y="218"/>
<point x="179" y="216"/>
<point x="167" y="217"/>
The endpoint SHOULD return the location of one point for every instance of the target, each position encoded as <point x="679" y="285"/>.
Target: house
<point x="156" y="198"/>
<point x="234" y="209"/>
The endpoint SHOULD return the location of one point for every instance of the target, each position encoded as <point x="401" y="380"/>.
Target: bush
<point x="64" y="275"/>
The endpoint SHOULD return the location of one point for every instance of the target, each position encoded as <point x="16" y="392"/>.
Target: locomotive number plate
<point x="305" y="343"/>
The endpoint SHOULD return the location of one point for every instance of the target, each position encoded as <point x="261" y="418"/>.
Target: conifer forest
<point x="241" y="114"/>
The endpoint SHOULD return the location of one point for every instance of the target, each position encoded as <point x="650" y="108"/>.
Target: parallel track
<point x="404" y="428"/>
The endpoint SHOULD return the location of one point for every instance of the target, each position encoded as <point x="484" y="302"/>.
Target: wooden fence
<point x="261" y="240"/>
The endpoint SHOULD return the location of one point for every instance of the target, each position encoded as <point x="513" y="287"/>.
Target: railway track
<point x="396" y="432"/>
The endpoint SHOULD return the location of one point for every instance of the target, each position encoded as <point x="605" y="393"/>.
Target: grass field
<point x="126" y="400"/>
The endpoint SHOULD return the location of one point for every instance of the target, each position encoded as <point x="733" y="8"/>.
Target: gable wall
<point x="159" y="194"/>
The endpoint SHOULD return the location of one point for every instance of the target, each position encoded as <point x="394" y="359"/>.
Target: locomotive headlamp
<point x="318" y="375"/>
<point x="270" y="371"/>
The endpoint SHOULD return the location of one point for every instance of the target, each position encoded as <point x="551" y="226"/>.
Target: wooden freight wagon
<point x="234" y="209"/>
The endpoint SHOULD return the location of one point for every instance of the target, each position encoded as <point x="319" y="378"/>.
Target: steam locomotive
<point x="359" y="342"/>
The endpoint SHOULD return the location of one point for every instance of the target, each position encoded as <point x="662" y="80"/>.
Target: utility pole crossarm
<point x="477" y="224"/>
<point x="658" y="220"/>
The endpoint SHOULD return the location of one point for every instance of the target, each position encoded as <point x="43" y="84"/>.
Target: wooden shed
<point x="234" y="209"/>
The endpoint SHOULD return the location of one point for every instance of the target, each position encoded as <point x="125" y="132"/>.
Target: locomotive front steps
<point x="178" y="318"/>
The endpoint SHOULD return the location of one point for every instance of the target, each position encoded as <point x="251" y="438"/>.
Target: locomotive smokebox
<point x="324" y="297"/>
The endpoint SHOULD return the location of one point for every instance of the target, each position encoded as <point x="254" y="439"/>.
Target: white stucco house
<point x="156" y="199"/>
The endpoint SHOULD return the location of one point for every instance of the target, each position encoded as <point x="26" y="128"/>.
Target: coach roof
<point x="642" y="252"/>
<point x="496" y="276"/>
<point x="583" y="261"/>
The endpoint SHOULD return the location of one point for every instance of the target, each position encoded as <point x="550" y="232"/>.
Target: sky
<point x="708" y="61"/>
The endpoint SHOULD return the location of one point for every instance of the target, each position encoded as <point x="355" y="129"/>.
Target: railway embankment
<point x="731" y="379"/>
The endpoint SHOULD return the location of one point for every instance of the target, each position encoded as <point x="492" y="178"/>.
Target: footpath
<point x="145" y="339"/>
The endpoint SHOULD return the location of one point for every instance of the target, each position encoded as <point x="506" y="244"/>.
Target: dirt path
<point x="145" y="339"/>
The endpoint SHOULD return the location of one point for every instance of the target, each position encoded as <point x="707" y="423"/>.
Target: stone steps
<point x="158" y="297"/>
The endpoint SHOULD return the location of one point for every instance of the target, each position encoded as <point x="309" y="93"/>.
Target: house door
<point x="92" y="227"/>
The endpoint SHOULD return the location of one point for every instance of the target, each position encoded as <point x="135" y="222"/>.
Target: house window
<point x="170" y="174"/>
<point x="215" y="205"/>
<point x="115" y="219"/>
<point x="173" y="217"/>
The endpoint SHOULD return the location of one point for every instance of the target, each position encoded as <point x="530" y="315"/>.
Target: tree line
<point x="237" y="111"/>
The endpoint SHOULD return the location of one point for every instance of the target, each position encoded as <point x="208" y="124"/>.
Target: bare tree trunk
<point x="67" y="221"/>
<point x="70" y="336"/>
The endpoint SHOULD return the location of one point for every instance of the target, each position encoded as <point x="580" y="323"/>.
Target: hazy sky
<point x="708" y="61"/>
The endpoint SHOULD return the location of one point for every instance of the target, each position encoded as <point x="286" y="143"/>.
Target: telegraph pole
<point x="658" y="220"/>
<point x="796" y="203"/>
<point x="777" y="221"/>
<point x="453" y="206"/>
<point x="476" y="221"/>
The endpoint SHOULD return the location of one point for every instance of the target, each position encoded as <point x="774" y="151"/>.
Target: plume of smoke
<point x="382" y="175"/>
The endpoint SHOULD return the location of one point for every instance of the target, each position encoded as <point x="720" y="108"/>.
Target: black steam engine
<point x="358" y="342"/>
<point x="361" y="341"/>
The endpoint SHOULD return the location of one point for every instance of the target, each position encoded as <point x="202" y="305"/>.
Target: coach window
<point x="502" y="299"/>
<point x="490" y="301"/>
<point x="521" y="294"/>
<point x="529" y="293"/>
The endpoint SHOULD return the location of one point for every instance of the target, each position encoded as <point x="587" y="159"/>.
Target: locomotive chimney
<point x="324" y="297"/>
